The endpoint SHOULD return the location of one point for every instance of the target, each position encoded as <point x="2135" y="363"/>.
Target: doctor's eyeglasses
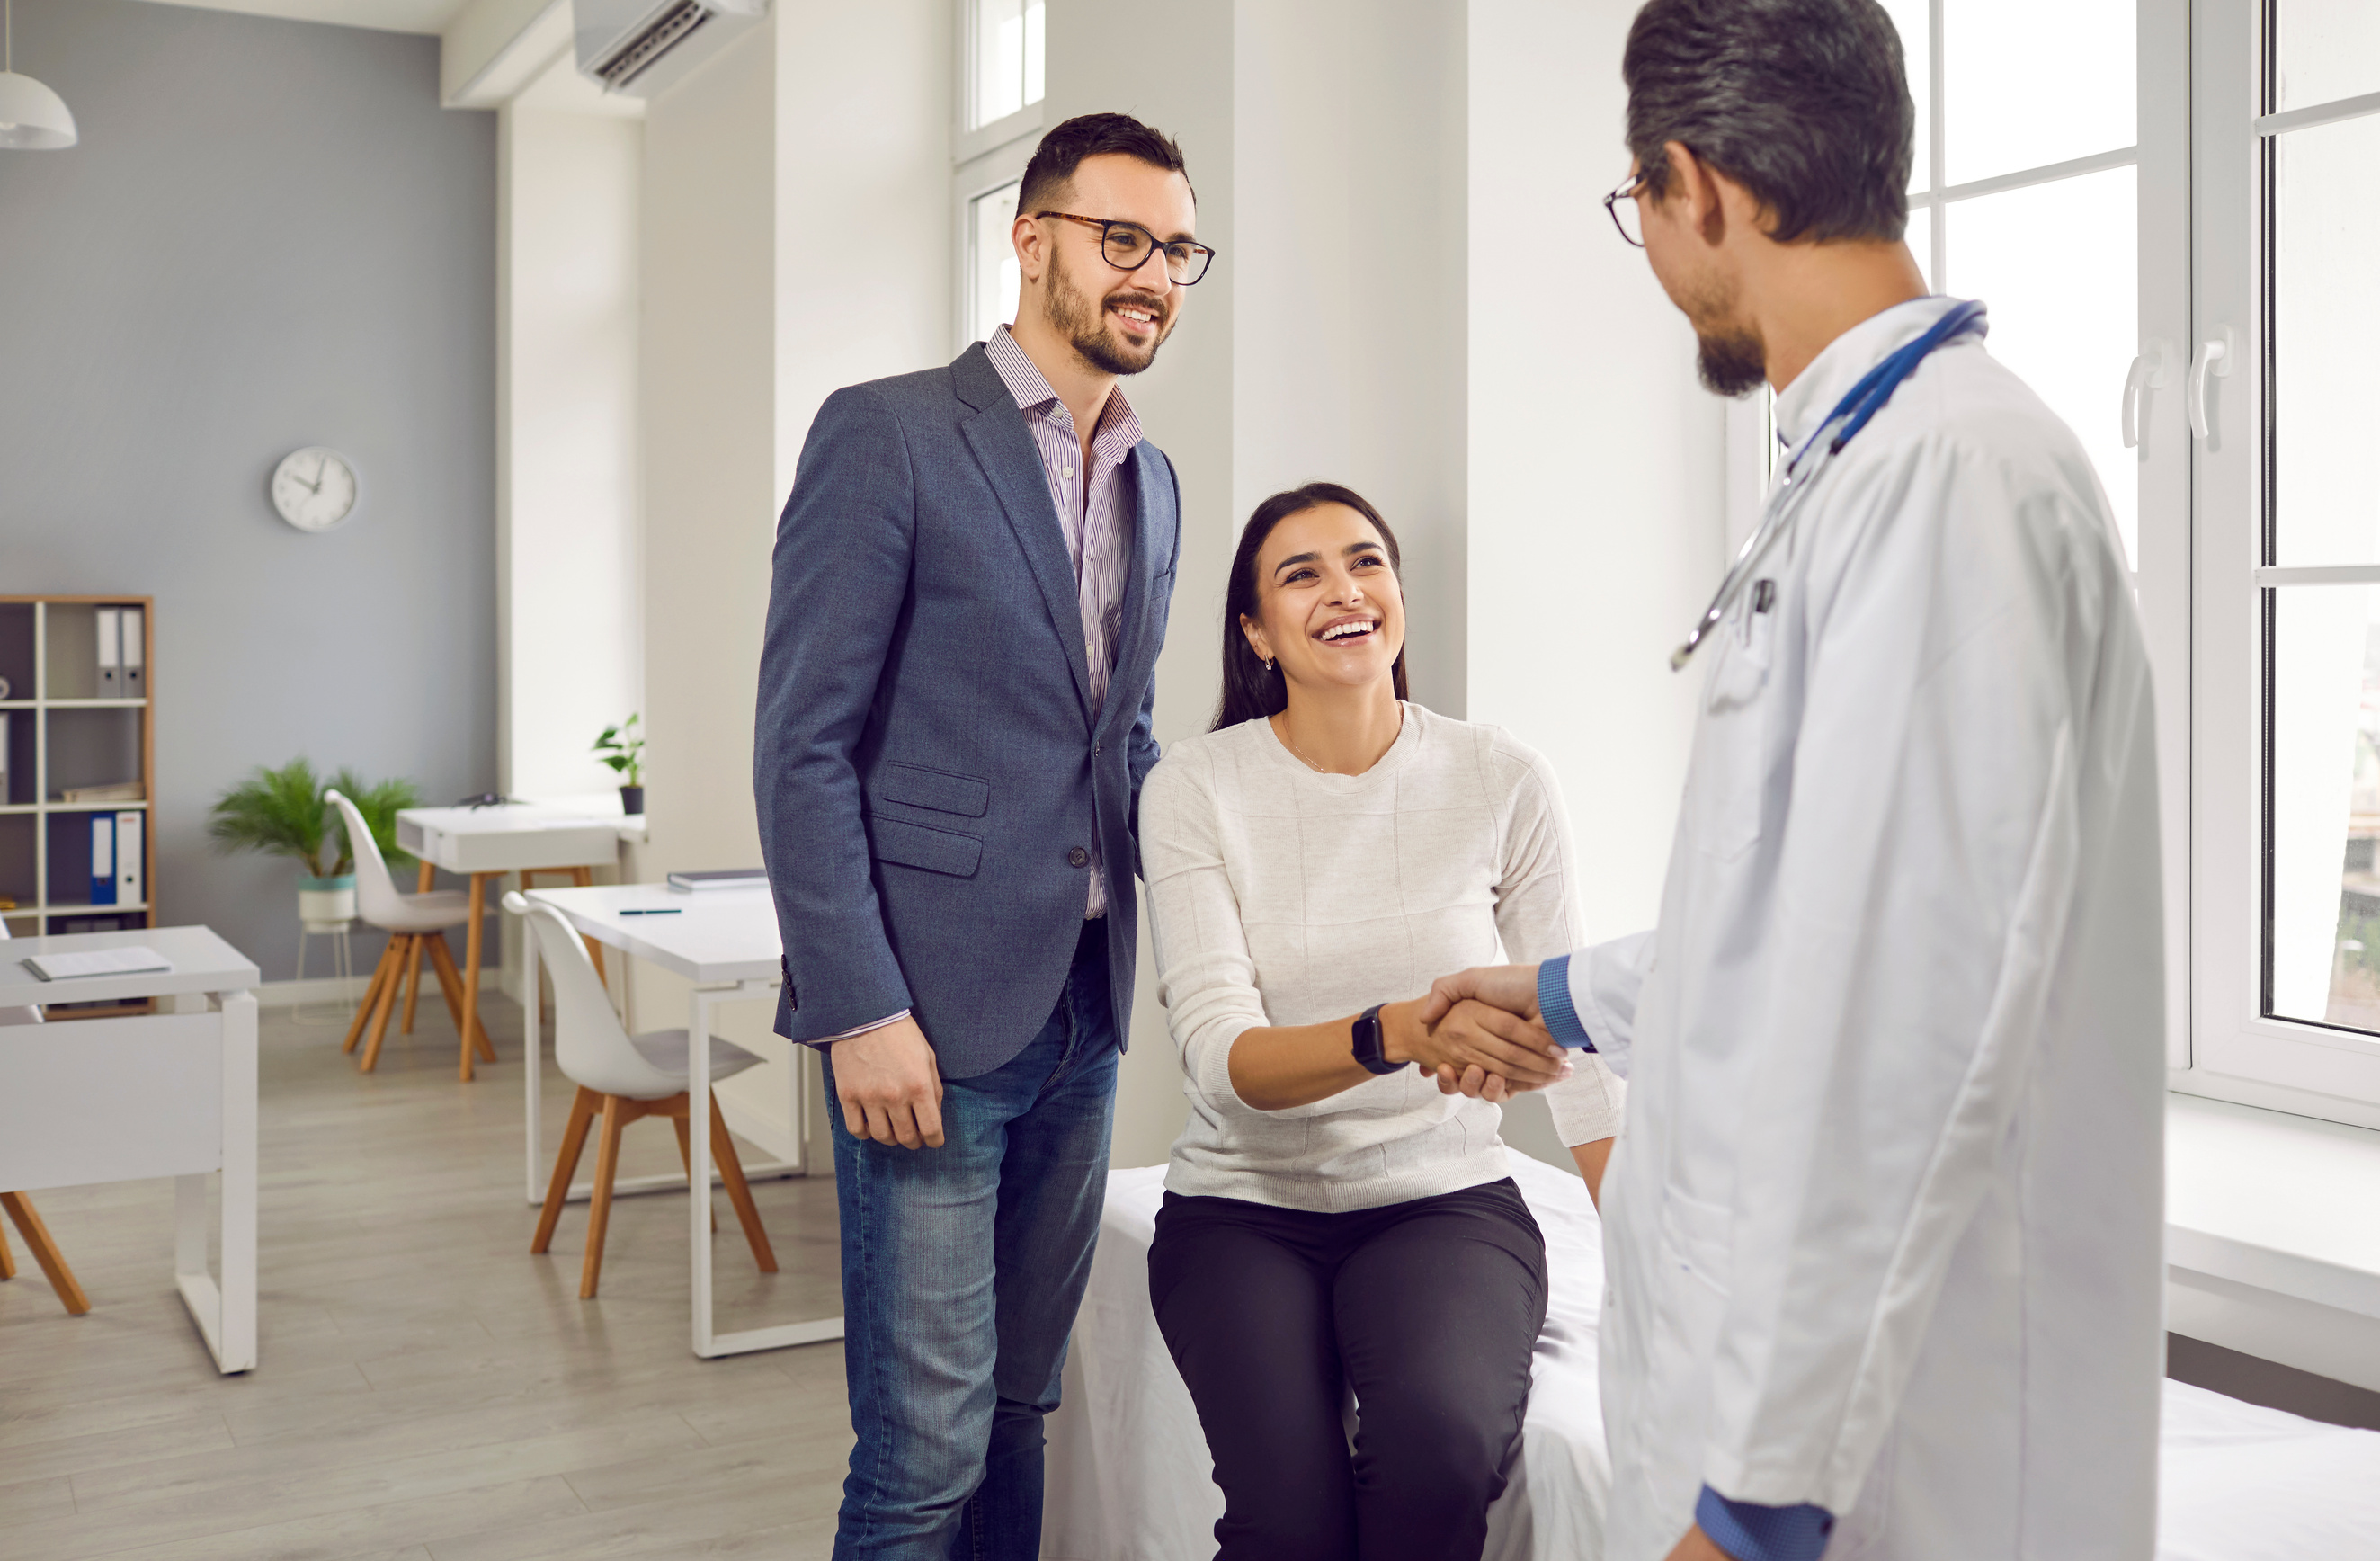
<point x="1628" y="219"/>
<point x="1126" y="246"/>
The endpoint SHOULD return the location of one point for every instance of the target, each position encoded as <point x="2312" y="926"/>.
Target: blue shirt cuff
<point x="1554" y="1005"/>
<point x="1752" y="1532"/>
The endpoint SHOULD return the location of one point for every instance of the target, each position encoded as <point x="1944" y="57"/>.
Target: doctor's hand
<point x="1512" y="988"/>
<point x="1473" y="1037"/>
<point x="1698" y="1546"/>
<point x="889" y="1086"/>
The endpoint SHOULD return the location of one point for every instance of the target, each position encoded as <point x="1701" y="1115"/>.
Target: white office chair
<point x="415" y="924"/>
<point x="621" y="1078"/>
<point x="28" y="1223"/>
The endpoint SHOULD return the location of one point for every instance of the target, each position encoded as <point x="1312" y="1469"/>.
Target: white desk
<point x="166" y="1094"/>
<point x="724" y="942"/>
<point x="484" y="843"/>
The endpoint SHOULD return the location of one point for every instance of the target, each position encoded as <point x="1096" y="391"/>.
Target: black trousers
<point x="1427" y="1309"/>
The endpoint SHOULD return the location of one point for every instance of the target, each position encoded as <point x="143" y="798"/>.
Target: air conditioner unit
<point x="641" y="47"/>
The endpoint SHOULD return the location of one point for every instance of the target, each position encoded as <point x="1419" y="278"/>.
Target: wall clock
<point x="314" y="488"/>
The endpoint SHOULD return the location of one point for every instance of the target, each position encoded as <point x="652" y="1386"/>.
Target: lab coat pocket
<point x="1689" y="1305"/>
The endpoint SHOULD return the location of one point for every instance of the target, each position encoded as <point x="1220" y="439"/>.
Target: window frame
<point x="2233" y="1050"/>
<point x="982" y="159"/>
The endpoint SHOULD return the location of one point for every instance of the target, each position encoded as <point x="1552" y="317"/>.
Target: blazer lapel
<point x="996" y="433"/>
<point x="1129" y="672"/>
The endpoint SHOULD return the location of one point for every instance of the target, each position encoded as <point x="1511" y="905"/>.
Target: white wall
<point x="569" y="536"/>
<point x="1348" y="273"/>
<point x="1598" y="463"/>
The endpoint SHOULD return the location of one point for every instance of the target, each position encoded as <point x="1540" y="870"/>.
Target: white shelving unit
<point x="48" y="653"/>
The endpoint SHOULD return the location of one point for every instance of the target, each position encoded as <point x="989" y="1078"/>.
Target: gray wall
<point x="270" y="237"/>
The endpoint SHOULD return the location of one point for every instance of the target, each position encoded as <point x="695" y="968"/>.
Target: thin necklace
<point x="1283" y="729"/>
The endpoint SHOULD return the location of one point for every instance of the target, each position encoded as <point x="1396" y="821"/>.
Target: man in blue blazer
<point x="970" y="592"/>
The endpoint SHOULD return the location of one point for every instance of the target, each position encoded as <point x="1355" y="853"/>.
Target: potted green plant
<point x="281" y="812"/>
<point x="621" y="748"/>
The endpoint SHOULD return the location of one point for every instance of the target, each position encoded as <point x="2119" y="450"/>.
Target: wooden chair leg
<point x="7" y="1264"/>
<point x="598" y="1207"/>
<point x="412" y="987"/>
<point x="450" y="980"/>
<point x="739" y="1191"/>
<point x="471" y="937"/>
<point x="46" y="1252"/>
<point x="585" y="878"/>
<point x="387" y="1004"/>
<point x="372" y="995"/>
<point x="565" y="1164"/>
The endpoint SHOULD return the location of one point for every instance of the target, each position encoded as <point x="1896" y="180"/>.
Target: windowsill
<point x="2274" y="1201"/>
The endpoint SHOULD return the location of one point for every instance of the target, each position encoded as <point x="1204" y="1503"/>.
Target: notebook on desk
<point x="722" y="878"/>
<point x="133" y="961"/>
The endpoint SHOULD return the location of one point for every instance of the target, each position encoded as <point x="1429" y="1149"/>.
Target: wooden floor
<point x="425" y="1389"/>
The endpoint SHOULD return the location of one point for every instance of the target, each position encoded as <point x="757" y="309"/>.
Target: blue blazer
<point x="930" y="773"/>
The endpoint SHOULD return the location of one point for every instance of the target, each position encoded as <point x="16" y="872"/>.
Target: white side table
<point x="170" y="1093"/>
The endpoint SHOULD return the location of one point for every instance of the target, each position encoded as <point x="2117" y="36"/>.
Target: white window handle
<point x="2153" y="370"/>
<point x="2214" y="358"/>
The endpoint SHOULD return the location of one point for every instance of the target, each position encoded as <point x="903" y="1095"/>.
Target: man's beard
<point x="1733" y="364"/>
<point x="1730" y="359"/>
<point x="1083" y="321"/>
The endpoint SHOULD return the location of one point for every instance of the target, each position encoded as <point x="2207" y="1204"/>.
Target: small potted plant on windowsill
<point x="621" y="748"/>
<point x="281" y="813"/>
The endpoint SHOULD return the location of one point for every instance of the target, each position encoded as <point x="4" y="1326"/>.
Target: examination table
<point x="1129" y="1475"/>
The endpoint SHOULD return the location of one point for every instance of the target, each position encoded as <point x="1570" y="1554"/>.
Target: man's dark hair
<point x="1093" y="135"/>
<point x="1804" y="103"/>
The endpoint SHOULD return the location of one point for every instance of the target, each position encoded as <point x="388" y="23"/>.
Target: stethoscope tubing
<point x="1850" y="414"/>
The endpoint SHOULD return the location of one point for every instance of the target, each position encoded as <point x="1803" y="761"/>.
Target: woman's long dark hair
<point x="1250" y="692"/>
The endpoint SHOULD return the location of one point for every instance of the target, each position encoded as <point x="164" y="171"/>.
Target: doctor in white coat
<point x="1883" y="1226"/>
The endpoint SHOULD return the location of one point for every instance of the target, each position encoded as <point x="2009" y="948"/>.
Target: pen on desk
<point x="653" y="910"/>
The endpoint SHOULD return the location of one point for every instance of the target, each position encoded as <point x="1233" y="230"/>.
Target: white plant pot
<point x="326" y="900"/>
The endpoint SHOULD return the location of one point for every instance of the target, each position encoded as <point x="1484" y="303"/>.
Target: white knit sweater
<point x="1282" y="897"/>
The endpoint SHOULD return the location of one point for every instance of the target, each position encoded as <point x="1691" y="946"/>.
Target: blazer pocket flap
<point x="936" y="850"/>
<point x="920" y="787"/>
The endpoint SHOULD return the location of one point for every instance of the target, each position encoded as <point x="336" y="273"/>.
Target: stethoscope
<point x="1851" y="415"/>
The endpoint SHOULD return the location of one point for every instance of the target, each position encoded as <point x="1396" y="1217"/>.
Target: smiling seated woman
<point x="1338" y="1213"/>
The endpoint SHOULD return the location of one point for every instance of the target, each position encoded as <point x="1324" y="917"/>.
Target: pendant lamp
<point x="32" y="117"/>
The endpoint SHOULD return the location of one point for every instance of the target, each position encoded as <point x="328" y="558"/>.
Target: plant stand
<point x="343" y="1007"/>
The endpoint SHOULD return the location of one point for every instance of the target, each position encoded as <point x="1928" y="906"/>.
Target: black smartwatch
<point x="1369" y="1048"/>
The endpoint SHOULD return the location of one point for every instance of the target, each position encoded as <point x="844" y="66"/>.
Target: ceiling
<point x="388" y="15"/>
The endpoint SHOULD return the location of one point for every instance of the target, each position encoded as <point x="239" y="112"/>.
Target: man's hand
<point x="1512" y="988"/>
<point x="889" y="1087"/>
<point x="1698" y="1546"/>
<point x="1474" y="1036"/>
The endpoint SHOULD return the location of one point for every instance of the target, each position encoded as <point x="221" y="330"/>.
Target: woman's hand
<point x="1513" y="1053"/>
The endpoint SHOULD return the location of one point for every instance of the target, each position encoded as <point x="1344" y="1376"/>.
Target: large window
<point x="2286" y="695"/>
<point x="998" y="120"/>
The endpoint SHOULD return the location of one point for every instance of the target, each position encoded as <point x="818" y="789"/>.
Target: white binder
<point x="130" y="860"/>
<point x="111" y="667"/>
<point x="103" y="860"/>
<point x="136" y="676"/>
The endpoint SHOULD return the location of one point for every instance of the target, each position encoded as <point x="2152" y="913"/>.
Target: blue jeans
<point x="961" y="1270"/>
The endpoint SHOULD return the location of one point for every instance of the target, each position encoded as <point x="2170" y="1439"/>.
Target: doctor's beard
<point x="1732" y="359"/>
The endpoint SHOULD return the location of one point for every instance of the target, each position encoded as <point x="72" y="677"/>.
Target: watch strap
<point x="1368" y="1044"/>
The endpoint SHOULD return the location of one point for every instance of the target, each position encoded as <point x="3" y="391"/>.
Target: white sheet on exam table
<point x="1128" y="1470"/>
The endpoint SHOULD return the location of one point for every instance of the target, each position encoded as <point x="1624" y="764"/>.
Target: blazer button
<point x="1078" y="858"/>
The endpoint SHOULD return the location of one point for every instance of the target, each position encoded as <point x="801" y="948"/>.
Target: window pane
<point x="994" y="274"/>
<point x="2325" y="340"/>
<point x="1920" y="239"/>
<point x="2324" y="907"/>
<point x="1912" y="19"/>
<point x="2330" y="49"/>
<point x="2056" y="262"/>
<point x="2029" y="82"/>
<point x="1007" y="54"/>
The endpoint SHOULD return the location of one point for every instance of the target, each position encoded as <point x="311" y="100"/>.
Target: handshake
<point x="1478" y="1032"/>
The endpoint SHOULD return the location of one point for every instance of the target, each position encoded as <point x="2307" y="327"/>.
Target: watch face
<point x="314" y="489"/>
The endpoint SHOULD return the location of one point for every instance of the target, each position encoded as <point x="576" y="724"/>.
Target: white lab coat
<point x="1883" y="1227"/>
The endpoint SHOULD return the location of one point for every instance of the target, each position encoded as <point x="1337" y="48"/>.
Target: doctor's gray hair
<point x="1804" y="103"/>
